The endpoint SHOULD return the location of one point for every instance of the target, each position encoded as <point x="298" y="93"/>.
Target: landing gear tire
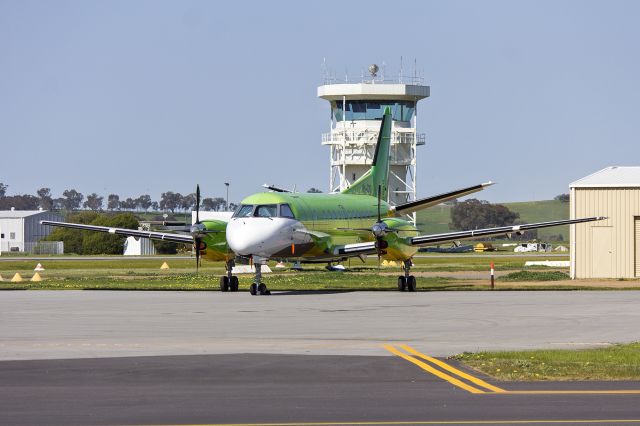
<point x="262" y="288"/>
<point x="224" y="283"/>
<point x="411" y="283"/>
<point x="402" y="283"/>
<point x="253" y="289"/>
<point x="233" y="285"/>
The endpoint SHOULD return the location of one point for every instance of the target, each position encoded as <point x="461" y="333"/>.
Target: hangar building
<point x="20" y="230"/>
<point x="608" y="248"/>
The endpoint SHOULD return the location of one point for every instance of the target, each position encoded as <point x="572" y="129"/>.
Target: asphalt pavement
<point x="283" y="389"/>
<point x="176" y="358"/>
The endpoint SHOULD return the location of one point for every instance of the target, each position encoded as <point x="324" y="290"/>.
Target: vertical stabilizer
<point x="378" y="174"/>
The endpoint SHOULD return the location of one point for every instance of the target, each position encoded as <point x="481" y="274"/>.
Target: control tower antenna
<point x="324" y="70"/>
<point x="400" y="77"/>
<point x="356" y="111"/>
<point x="373" y="70"/>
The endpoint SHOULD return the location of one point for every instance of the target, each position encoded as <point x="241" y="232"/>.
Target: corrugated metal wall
<point x="610" y="250"/>
<point x="33" y="231"/>
<point x="637" y="255"/>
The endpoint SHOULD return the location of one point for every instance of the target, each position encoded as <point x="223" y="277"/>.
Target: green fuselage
<point x="331" y="220"/>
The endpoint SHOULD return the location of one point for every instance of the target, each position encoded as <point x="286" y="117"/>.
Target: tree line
<point x="478" y="214"/>
<point x="71" y="200"/>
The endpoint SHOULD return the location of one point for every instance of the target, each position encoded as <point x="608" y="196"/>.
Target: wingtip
<point x="488" y="183"/>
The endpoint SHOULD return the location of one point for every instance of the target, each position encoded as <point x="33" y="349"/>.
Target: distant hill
<point x="436" y="219"/>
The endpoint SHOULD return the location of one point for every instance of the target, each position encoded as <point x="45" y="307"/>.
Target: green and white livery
<point x="308" y="227"/>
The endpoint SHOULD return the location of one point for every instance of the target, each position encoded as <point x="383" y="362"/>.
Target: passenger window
<point x="285" y="211"/>
<point x="267" y="211"/>
<point x="244" y="211"/>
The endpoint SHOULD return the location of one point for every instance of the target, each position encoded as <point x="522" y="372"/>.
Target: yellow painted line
<point x="453" y="370"/>
<point x="446" y="422"/>
<point x="493" y="389"/>
<point x="433" y="371"/>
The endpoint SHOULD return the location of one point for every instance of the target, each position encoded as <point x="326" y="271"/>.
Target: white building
<point x="356" y="111"/>
<point x="20" y="230"/>
<point x="138" y="247"/>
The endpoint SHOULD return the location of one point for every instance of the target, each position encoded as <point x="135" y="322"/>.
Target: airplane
<point x="321" y="228"/>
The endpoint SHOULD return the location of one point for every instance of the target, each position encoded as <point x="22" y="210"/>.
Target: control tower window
<point x="373" y="110"/>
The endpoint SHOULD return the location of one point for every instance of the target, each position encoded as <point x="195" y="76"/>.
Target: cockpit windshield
<point x="264" y="210"/>
<point x="285" y="211"/>
<point x="244" y="211"/>
<point x="270" y="210"/>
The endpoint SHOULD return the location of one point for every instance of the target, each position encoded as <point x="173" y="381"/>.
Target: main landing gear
<point x="229" y="282"/>
<point x="407" y="282"/>
<point x="258" y="287"/>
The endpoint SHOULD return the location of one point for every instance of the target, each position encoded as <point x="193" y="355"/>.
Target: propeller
<point x="380" y="230"/>
<point x="197" y="230"/>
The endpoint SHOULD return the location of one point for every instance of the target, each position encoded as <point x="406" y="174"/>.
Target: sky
<point x="142" y="97"/>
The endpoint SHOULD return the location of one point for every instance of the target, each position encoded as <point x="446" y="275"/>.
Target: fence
<point x="43" y="247"/>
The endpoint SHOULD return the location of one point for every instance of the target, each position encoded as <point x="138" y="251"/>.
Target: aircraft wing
<point x="488" y="232"/>
<point x="370" y="247"/>
<point x="423" y="203"/>
<point x="357" y="249"/>
<point x="174" y="238"/>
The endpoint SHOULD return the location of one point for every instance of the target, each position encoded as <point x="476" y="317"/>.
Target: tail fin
<point x="378" y="174"/>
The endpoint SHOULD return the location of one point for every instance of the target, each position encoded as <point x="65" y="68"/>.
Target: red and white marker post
<point x="492" y="276"/>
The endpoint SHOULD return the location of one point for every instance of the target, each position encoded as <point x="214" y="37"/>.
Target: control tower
<point x="356" y="112"/>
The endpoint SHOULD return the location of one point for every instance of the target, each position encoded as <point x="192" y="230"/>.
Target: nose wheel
<point x="258" y="287"/>
<point x="407" y="282"/>
<point x="229" y="282"/>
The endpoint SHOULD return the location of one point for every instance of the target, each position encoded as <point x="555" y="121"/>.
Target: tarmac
<point x="89" y="324"/>
<point x="121" y="358"/>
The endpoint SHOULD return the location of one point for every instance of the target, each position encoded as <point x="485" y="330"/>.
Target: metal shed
<point x="20" y="230"/>
<point x="609" y="248"/>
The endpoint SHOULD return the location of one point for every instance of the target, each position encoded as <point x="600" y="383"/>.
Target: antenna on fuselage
<point x="276" y="189"/>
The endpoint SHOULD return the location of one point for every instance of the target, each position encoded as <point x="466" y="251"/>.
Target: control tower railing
<point x="401" y="79"/>
<point x="339" y="137"/>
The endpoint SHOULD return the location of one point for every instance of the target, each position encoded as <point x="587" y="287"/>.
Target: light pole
<point x="227" y="185"/>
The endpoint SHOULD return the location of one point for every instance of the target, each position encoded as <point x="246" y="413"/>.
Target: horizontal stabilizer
<point x="424" y="203"/>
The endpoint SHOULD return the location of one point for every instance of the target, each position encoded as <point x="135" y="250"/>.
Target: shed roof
<point x="610" y="177"/>
<point x="17" y="214"/>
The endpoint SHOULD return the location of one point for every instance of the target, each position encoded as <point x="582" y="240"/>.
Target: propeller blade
<point x="379" y="195"/>
<point x="197" y="242"/>
<point x="198" y="203"/>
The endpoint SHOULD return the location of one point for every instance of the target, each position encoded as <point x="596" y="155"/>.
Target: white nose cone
<point x="258" y="236"/>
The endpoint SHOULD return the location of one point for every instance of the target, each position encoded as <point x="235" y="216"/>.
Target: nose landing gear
<point x="229" y="282"/>
<point x="407" y="282"/>
<point x="258" y="287"/>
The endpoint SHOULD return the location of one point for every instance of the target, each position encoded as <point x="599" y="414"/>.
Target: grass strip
<point x="535" y="276"/>
<point x="615" y="362"/>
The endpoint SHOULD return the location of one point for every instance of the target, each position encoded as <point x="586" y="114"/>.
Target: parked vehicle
<point x="532" y="247"/>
